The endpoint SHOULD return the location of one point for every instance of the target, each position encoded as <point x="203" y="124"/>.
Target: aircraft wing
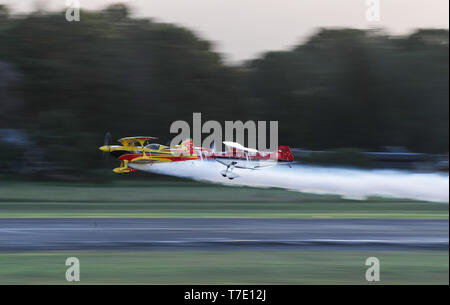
<point x="239" y="146"/>
<point x="130" y="140"/>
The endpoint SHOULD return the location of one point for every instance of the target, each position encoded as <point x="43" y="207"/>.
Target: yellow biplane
<point x="140" y="150"/>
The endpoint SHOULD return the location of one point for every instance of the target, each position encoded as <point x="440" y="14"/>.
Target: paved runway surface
<point x="41" y="234"/>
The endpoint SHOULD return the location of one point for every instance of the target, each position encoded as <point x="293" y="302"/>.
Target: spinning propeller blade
<point x="106" y="142"/>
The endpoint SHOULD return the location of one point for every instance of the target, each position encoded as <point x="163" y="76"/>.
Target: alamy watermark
<point x="250" y="133"/>
<point x="373" y="10"/>
<point x="373" y="272"/>
<point x="73" y="10"/>
<point x="73" y="272"/>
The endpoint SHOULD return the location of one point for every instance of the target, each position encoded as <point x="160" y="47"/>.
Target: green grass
<point x="226" y="267"/>
<point x="193" y="199"/>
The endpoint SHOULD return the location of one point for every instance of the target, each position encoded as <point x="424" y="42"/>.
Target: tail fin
<point x="284" y="154"/>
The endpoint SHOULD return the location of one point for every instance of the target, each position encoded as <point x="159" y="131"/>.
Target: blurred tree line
<point x="67" y="83"/>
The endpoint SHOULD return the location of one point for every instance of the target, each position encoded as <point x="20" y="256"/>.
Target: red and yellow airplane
<point x="139" y="150"/>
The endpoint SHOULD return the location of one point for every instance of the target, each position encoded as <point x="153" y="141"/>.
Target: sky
<point x="243" y="29"/>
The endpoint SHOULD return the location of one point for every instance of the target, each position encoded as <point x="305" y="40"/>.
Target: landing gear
<point x="229" y="171"/>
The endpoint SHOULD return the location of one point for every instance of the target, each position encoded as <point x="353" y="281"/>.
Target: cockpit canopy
<point x="153" y="146"/>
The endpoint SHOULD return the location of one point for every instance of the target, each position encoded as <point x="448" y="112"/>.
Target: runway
<point x="48" y="234"/>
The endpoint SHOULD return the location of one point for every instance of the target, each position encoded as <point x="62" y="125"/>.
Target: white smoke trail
<point x="349" y="183"/>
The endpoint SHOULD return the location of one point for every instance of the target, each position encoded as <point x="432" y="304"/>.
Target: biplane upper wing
<point x="130" y="141"/>
<point x="240" y="147"/>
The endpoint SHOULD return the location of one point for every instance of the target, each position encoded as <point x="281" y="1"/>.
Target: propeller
<point x="107" y="142"/>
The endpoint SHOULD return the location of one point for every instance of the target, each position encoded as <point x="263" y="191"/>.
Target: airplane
<point x="248" y="158"/>
<point x="139" y="150"/>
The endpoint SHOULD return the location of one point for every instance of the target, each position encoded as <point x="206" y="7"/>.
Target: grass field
<point x="226" y="267"/>
<point x="194" y="199"/>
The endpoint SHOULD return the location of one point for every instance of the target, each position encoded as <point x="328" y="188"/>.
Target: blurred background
<point x="347" y="92"/>
<point x="64" y="84"/>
